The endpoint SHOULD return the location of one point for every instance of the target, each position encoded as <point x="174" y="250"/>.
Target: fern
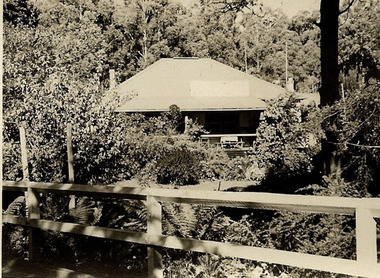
<point x="179" y="220"/>
<point x="98" y="213"/>
<point x="122" y="214"/>
<point x="83" y="212"/>
<point x="138" y="208"/>
<point x="17" y="207"/>
<point x="211" y="222"/>
<point x="194" y="221"/>
<point x="54" y="207"/>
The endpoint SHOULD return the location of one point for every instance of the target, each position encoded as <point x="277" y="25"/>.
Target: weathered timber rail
<point x="365" y="210"/>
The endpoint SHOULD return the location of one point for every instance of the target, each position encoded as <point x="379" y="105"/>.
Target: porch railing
<point x="245" y="140"/>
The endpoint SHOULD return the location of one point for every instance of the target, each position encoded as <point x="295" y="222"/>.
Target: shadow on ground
<point x="19" y="268"/>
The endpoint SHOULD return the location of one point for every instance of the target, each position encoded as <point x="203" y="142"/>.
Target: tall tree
<point x="329" y="90"/>
<point x="329" y="16"/>
<point x="358" y="46"/>
<point x="51" y="72"/>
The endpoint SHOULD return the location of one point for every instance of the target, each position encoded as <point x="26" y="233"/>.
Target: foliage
<point x="214" y="166"/>
<point x="20" y="13"/>
<point x="95" y="154"/>
<point x="154" y="148"/>
<point x="192" y="221"/>
<point x="50" y="83"/>
<point x="254" y="172"/>
<point x="318" y="234"/>
<point x="56" y="93"/>
<point x="208" y="266"/>
<point x="118" y="214"/>
<point x="356" y="134"/>
<point x="265" y="42"/>
<point x="17" y="207"/>
<point x="327" y="235"/>
<point x="15" y="240"/>
<point x="178" y="166"/>
<point x="56" y="72"/>
<point x="236" y="168"/>
<point x="288" y="138"/>
<point x="359" y="46"/>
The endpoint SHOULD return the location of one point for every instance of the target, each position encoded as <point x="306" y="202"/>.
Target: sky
<point x="289" y="7"/>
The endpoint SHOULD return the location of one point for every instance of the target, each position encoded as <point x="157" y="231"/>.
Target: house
<point x="226" y="101"/>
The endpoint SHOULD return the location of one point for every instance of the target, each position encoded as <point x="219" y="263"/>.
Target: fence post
<point x="70" y="162"/>
<point x="32" y="200"/>
<point x="366" y="240"/>
<point x="24" y="155"/>
<point x="34" y="234"/>
<point x="154" y="227"/>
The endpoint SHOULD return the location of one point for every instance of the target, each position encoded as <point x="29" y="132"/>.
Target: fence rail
<point x="365" y="210"/>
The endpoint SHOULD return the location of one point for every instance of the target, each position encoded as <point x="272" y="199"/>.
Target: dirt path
<point x="217" y="185"/>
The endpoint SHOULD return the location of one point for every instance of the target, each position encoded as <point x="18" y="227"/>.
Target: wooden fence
<point x="365" y="210"/>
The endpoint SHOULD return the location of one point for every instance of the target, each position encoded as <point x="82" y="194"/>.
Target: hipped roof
<point x="195" y="84"/>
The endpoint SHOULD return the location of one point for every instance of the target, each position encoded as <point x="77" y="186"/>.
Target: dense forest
<point x="57" y="57"/>
<point x="92" y="36"/>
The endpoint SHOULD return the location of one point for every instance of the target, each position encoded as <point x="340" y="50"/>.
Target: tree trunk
<point x="329" y="90"/>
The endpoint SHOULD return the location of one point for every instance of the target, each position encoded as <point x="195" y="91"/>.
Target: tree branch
<point x="234" y="5"/>
<point x="347" y="8"/>
<point x="330" y="115"/>
<point x="363" y="146"/>
<point x="355" y="145"/>
<point x="231" y="5"/>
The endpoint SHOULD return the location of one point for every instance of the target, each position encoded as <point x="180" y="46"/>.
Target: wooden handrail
<point x="365" y="209"/>
<point x="309" y="261"/>
<point x="317" y="204"/>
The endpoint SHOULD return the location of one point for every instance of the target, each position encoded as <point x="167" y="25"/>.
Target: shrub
<point x="236" y="168"/>
<point x="288" y="139"/>
<point x="167" y="159"/>
<point x="214" y="165"/>
<point x="178" y="166"/>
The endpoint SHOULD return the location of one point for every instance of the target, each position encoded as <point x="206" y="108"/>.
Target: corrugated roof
<point x="195" y="85"/>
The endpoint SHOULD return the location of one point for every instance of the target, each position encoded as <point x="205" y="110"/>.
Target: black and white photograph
<point x="190" y="138"/>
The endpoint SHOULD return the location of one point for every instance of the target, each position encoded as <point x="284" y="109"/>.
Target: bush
<point x="214" y="165"/>
<point x="288" y="140"/>
<point x="178" y="166"/>
<point x="167" y="158"/>
<point x="236" y="168"/>
<point x="288" y="136"/>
